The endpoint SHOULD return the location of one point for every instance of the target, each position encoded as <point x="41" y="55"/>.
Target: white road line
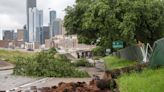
<point x="28" y="84"/>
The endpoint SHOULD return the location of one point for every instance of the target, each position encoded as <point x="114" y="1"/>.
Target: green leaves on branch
<point x="127" y="20"/>
<point x="47" y="64"/>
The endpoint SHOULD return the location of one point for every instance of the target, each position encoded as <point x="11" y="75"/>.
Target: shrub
<point x="61" y="57"/>
<point x="99" y="51"/>
<point x="83" y="62"/>
<point x="44" y="64"/>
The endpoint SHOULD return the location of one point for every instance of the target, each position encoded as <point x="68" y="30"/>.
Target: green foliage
<point x="82" y="62"/>
<point x="147" y="81"/>
<point x="61" y="57"/>
<point x="99" y="51"/>
<point x="114" y="62"/>
<point x="74" y="21"/>
<point x="127" y="20"/>
<point x="52" y="50"/>
<point x="44" y="64"/>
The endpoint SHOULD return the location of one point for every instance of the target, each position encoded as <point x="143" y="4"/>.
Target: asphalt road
<point x="9" y="81"/>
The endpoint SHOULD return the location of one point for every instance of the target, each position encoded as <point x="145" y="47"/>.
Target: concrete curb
<point x="6" y="68"/>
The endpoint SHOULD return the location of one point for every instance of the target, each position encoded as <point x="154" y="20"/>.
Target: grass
<point x="147" y="81"/>
<point x="114" y="62"/>
<point x="10" y="55"/>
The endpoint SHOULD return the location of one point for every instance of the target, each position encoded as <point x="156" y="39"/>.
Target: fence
<point x="132" y="53"/>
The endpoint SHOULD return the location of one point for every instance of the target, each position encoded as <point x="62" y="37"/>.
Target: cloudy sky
<point x="13" y="12"/>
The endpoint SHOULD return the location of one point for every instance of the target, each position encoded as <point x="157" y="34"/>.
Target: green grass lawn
<point x="114" y="62"/>
<point x="147" y="81"/>
<point x="10" y="55"/>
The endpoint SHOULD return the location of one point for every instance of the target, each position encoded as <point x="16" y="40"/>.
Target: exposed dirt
<point x="94" y="86"/>
<point x="117" y="72"/>
<point x="107" y="84"/>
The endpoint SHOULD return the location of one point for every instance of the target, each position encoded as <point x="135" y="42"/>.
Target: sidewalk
<point x="99" y="64"/>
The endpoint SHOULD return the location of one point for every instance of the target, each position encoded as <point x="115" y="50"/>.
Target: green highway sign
<point x="118" y="44"/>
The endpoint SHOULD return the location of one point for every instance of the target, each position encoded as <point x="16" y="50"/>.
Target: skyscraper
<point x="46" y="32"/>
<point x="57" y="25"/>
<point x="52" y="19"/>
<point x="35" y="25"/>
<point x="52" y="16"/>
<point x="29" y="4"/>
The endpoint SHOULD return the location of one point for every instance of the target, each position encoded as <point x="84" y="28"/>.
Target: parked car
<point x="29" y="49"/>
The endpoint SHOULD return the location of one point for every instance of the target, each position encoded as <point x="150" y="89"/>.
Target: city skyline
<point x="13" y="14"/>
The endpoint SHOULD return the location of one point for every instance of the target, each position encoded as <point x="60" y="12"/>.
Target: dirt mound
<point x="94" y="86"/>
<point x="129" y="69"/>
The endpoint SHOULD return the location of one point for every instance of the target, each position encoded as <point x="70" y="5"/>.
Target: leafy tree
<point x="127" y="20"/>
<point x="74" y="21"/>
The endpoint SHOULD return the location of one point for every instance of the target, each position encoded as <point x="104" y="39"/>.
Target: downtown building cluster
<point x="34" y="33"/>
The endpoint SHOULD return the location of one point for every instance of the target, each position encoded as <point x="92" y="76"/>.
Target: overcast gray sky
<point x="13" y="12"/>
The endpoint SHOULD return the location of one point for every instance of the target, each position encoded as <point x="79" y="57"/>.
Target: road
<point x="21" y="50"/>
<point x="10" y="82"/>
<point x="6" y="72"/>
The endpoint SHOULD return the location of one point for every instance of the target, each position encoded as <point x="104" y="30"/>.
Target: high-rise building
<point x="8" y="34"/>
<point x="26" y="38"/>
<point x="52" y="19"/>
<point x="52" y="16"/>
<point x="20" y="34"/>
<point x="35" y="25"/>
<point x="57" y="24"/>
<point x="46" y="32"/>
<point x="29" y="4"/>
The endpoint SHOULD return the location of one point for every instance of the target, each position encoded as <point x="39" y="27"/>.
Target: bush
<point x="83" y="63"/>
<point x="44" y="64"/>
<point x="61" y="57"/>
<point x="99" y="51"/>
<point x="52" y="50"/>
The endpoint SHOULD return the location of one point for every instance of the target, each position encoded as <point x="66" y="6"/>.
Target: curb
<point x="6" y="68"/>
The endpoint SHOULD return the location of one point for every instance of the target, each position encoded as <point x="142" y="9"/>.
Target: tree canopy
<point x="110" y="20"/>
